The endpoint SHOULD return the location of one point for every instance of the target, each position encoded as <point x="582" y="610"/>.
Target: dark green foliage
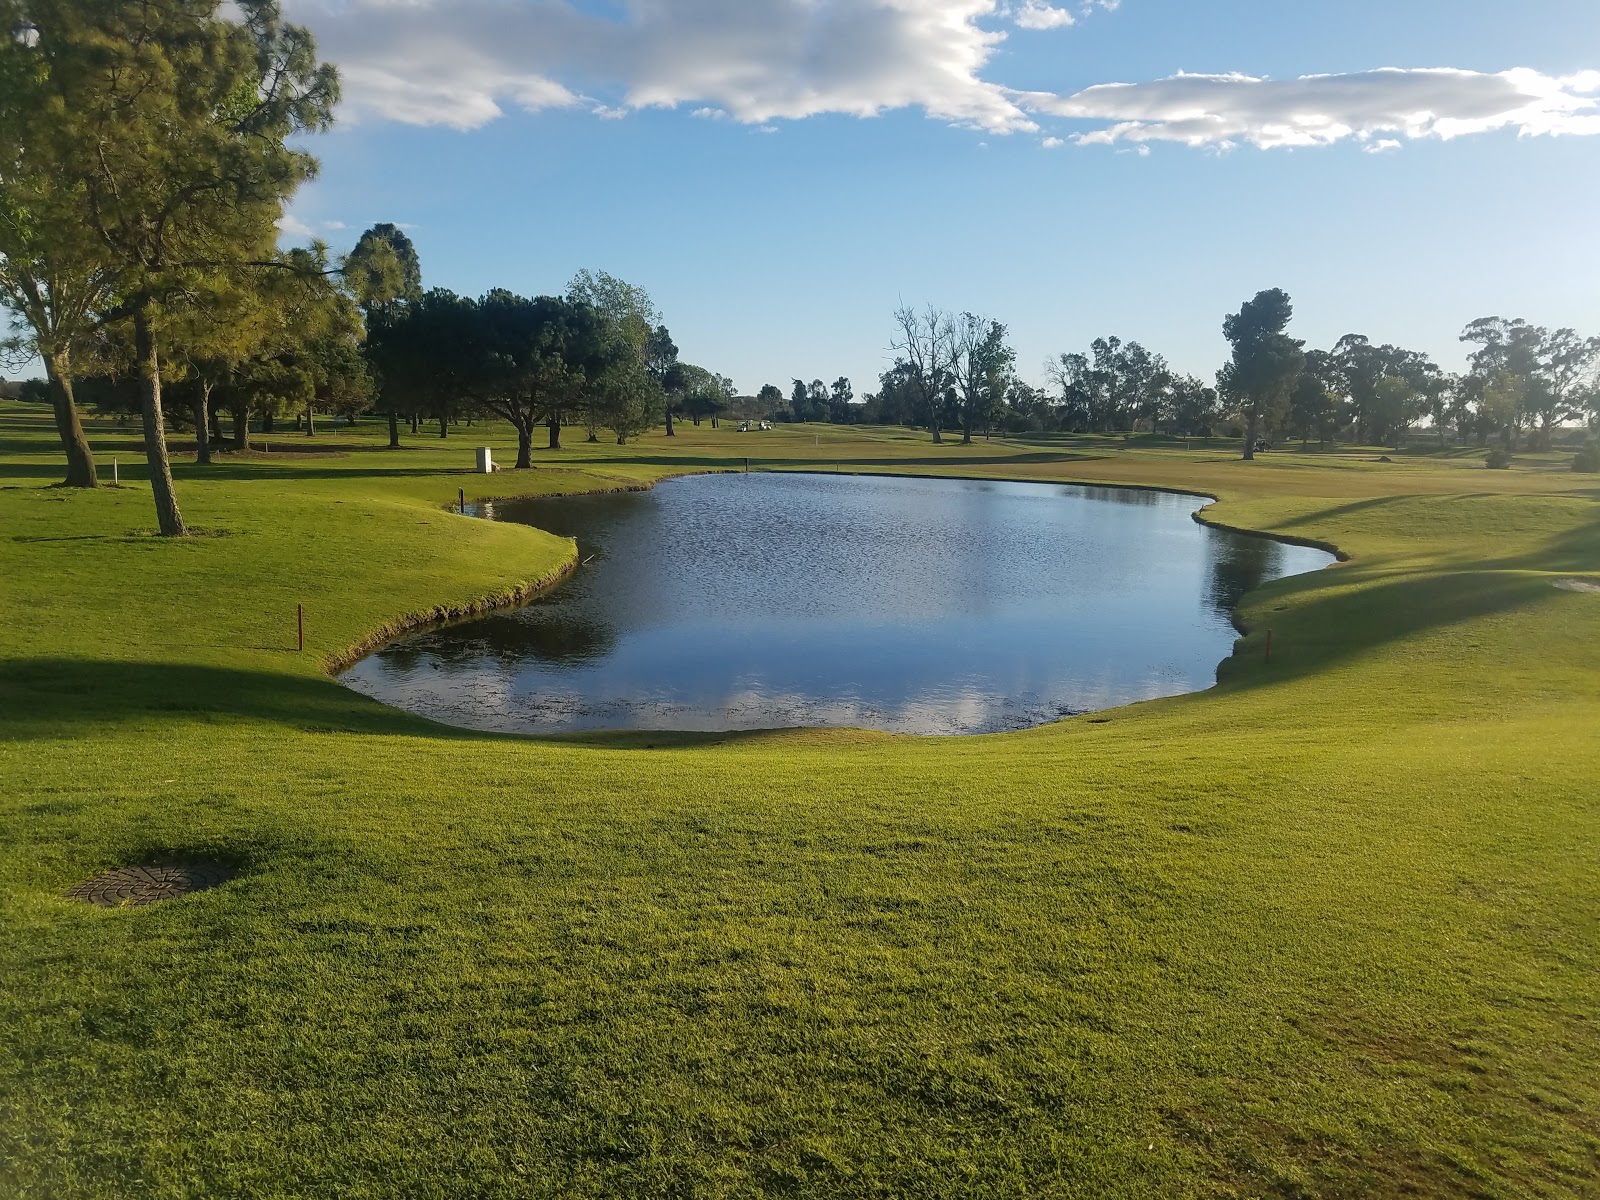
<point x="1266" y="362"/>
<point x="1499" y="459"/>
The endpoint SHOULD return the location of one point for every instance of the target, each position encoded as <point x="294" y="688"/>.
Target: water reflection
<point x="769" y="600"/>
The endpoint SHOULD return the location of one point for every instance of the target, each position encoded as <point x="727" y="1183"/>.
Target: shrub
<point x="1499" y="459"/>
<point x="1587" y="459"/>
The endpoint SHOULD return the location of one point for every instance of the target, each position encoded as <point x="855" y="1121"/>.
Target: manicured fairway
<point x="1331" y="929"/>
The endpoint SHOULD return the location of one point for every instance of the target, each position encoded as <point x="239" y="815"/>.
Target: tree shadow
<point x="1314" y="631"/>
<point x="50" y="698"/>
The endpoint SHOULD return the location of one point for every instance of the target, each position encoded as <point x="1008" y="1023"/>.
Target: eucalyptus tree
<point x="631" y="365"/>
<point x="1077" y="387"/>
<point x="1313" y="404"/>
<point x="706" y="394"/>
<point x="661" y="360"/>
<point x="1566" y="373"/>
<point x="771" y="397"/>
<point x="384" y="275"/>
<point x="1502" y="400"/>
<point x="1507" y="360"/>
<point x="900" y="396"/>
<point x="839" y="397"/>
<point x="1192" y="406"/>
<point x="1265" y="364"/>
<point x="817" y="400"/>
<point x="980" y="364"/>
<point x="1111" y="387"/>
<point x="800" y="402"/>
<point x="170" y="127"/>
<point x="925" y="341"/>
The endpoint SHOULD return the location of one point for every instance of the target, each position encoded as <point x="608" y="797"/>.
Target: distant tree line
<point x="955" y="373"/>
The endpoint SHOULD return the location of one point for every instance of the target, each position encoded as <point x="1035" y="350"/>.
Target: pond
<point x="929" y="606"/>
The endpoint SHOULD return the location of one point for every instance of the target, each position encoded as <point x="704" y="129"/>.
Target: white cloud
<point x="1319" y="110"/>
<point x="460" y="63"/>
<point x="457" y="62"/>
<point x="1035" y="14"/>
<point x="292" y="226"/>
<point x="1050" y="143"/>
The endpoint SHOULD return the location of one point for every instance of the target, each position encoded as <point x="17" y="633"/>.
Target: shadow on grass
<point x="49" y="697"/>
<point x="45" y="698"/>
<point x="1314" y="631"/>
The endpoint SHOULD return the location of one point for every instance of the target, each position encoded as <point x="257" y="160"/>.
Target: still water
<point x="722" y="602"/>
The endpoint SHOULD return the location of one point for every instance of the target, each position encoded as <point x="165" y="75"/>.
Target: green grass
<point x="1330" y="929"/>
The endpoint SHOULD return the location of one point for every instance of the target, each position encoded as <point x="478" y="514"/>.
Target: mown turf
<point x="1330" y="929"/>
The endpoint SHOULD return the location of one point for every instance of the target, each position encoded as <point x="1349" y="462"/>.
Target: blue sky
<point x="708" y="150"/>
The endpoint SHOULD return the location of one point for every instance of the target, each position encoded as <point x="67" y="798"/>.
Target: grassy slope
<point x="1331" y="929"/>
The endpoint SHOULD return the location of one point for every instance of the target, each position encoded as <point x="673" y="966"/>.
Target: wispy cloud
<point x="293" y="228"/>
<point x="1378" y="107"/>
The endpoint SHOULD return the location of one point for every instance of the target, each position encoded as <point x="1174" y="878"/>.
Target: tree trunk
<point x="966" y="426"/>
<point x="553" y="424"/>
<point x="394" y="430"/>
<point x="168" y="517"/>
<point x="524" y="445"/>
<point x="416" y="423"/>
<point x="311" y="422"/>
<point x="241" y="428"/>
<point x="1251" y="423"/>
<point x="444" y="425"/>
<point x="669" y="422"/>
<point x="202" y="423"/>
<point x="216" y="426"/>
<point x="267" y="421"/>
<point x="80" y="458"/>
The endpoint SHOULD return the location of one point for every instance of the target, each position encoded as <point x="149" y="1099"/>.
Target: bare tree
<point x="925" y="340"/>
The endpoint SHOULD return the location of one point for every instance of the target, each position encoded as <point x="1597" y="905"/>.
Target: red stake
<point x="300" y="617"/>
<point x="1269" y="645"/>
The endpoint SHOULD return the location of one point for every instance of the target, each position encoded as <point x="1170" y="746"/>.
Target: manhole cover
<point x="133" y="886"/>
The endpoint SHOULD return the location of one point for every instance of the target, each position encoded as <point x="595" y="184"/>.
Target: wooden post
<point x="462" y="494"/>
<point x="116" y="474"/>
<point x="300" y="620"/>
